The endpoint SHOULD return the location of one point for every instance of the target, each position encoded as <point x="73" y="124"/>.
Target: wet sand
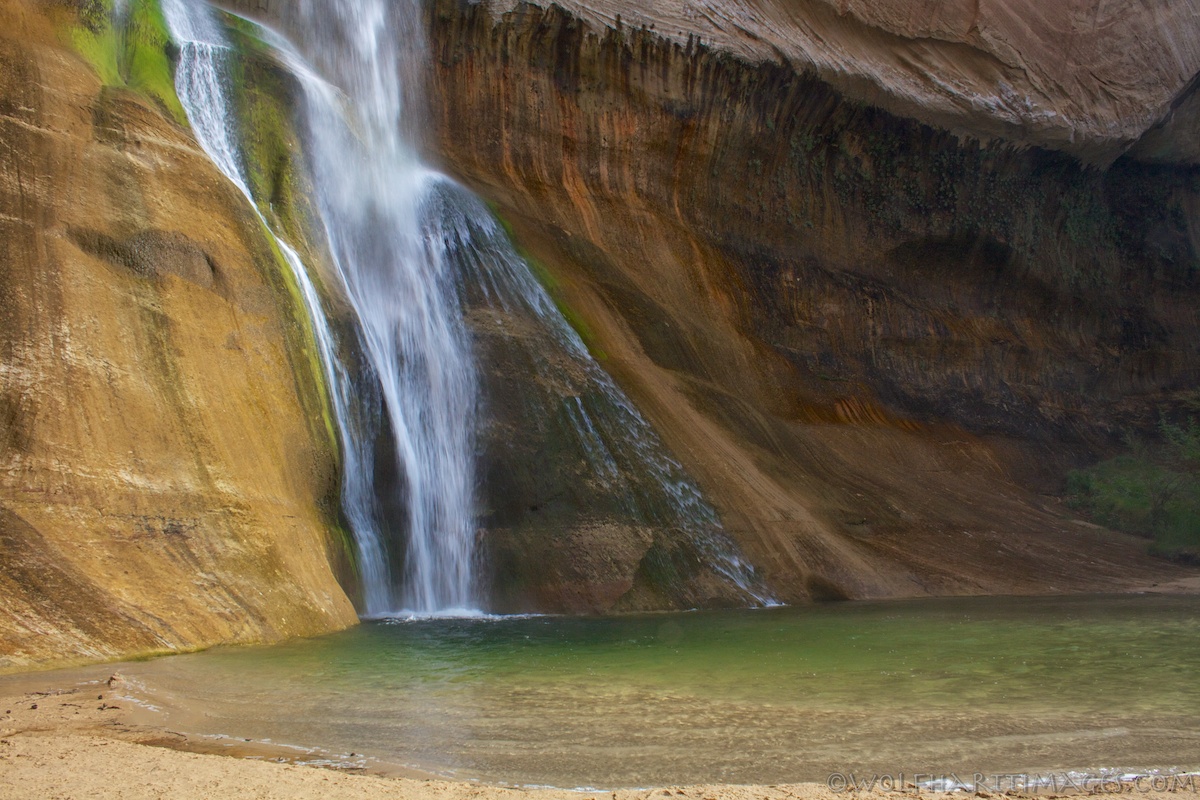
<point x="86" y="740"/>
<point x="80" y="734"/>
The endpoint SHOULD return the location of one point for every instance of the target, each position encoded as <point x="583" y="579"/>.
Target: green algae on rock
<point x="132" y="50"/>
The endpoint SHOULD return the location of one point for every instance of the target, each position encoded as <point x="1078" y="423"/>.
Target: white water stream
<point x="200" y="84"/>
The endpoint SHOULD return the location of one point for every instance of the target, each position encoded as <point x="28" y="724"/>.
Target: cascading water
<point x="409" y="248"/>
<point x="199" y="82"/>
<point x="371" y="185"/>
<point x="616" y="439"/>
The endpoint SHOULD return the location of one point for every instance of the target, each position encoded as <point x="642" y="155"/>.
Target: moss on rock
<point x="131" y="48"/>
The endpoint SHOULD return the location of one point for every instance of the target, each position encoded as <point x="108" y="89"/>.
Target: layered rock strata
<point x="1086" y="78"/>
<point x="868" y="337"/>
<point x="878" y="276"/>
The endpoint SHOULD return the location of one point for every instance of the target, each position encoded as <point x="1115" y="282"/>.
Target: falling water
<point x="199" y="82"/>
<point x="371" y="187"/>
<point x="623" y="452"/>
<point x="409" y="248"/>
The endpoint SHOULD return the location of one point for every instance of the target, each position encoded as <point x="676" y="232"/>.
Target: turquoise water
<point x="773" y="695"/>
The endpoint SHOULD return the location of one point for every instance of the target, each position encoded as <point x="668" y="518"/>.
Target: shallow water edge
<point x="933" y="687"/>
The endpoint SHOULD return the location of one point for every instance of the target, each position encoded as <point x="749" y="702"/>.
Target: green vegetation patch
<point x="305" y="344"/>
<point x="132" y="49"/>
<point x="264" y="96"/>
<point x="1152" y="491"/>
<point x="149" y="50"/>
<point x="269" y="143"/>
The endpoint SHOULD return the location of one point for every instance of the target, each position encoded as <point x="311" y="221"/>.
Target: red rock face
<point x="858" y="331"/>
<point x="1087" y="78"/>
<point x="876" y="341"/>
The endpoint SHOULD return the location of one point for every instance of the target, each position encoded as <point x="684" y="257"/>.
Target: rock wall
<point x="167" y="471"/>
<point x="1092" y="78"/>
<point x="1089" y="78"/>
<point x="876" y="334"/>
<point x="868" y="337"/>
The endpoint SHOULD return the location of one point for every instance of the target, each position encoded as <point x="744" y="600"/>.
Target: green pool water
<point x="789" y="694"/>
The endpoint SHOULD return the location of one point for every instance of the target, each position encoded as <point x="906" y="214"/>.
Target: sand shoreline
<point x="85" y="739"/>
<point x="78" y="734"/>
<point x="88" y="732"/>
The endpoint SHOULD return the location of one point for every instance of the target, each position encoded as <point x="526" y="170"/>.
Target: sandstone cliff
<point x="874" y="334"/>
<point x="580" y="508"/>
<point x="1087" y="77"/>
<point x="167" y="471"/>
<point x="816" y="245"/>
<point x="867" y="336"/>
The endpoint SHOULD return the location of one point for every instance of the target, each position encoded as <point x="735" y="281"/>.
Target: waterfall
<point x="371" y="188"/>
<point x="200" y="85"/>
<point x="410" y="249"/>
<point x="617" y="441"/>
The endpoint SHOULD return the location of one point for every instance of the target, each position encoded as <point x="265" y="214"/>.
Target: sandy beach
<point x="86" y="741"/>
<point x="80" y="734"/>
